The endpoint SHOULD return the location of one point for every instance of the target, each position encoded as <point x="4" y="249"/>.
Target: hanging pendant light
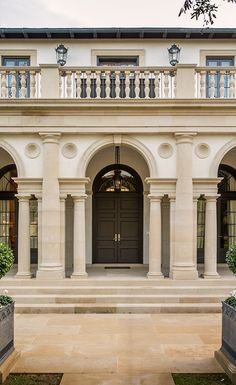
<point x="117" y="178"/>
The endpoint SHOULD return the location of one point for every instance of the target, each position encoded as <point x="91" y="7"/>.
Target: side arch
<point x="107" y="141"/>
<point x="219" y="156"/>
<point x="15" y="156"/>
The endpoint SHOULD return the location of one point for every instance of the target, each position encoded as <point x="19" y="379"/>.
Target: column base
<point x="155" y="276"/>
<point x="184" y="273"/>
<point x="211" y="276"/>
<point x="79" y="275"/>
<point x="48" y="275"/>
<point x="23" y="276"/>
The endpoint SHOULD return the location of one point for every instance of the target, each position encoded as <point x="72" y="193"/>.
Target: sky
<point x="105" y="13"/>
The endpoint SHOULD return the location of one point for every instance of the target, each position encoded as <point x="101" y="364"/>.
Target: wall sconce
<point x="61" y="54"/>
<point x="174" y="54"/>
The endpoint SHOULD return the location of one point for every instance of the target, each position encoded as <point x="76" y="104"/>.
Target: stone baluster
<point x="13" y="84"/>
<point x="166" y="84"/>
<point x="88" y="84"/>
<point x="32" y="84"/>
<point x="137" y="84"/>
<point x="79" y="261"/>
<point x="98" y="84"/>
<point x="107" y="74"/>
<point x="222" y="83"/>
<point x="22" y="84"/>
<point x="212" y="84"/>
<point x="78" y="86"/>
<point x="202" y="84"/>
<point x="231" y="84"/>
<point x="155" y="238"/>
<point x="210" y="255"/>
<point x="69" y="84"/>
<point x="146" y="83"/>
<point x="127" y="84"/>
<point x="117" y="84"/>
<point x="23" y="237"/>
<point x="156" y="84"/>
<point x="3" y="84"/>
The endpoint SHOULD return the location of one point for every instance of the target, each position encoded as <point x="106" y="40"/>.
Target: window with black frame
<point x="11" y="61"/>
<point x="214" y="61"/>
<point x="118" y="61"/>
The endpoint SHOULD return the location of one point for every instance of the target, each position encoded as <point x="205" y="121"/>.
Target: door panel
<point x="117" y="228"/>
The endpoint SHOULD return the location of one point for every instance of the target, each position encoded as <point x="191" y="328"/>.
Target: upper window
<point x="116" y="61"/>
<point x="215" y="61"/>
<point x="11" y="61"/>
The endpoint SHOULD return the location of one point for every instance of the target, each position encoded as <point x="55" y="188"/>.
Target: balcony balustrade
<point x="182" y="81"/>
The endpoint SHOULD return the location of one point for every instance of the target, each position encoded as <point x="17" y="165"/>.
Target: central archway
<point x="117" y="216"/>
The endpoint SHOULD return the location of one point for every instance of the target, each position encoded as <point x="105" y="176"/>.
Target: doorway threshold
<point x="117" y="267"/>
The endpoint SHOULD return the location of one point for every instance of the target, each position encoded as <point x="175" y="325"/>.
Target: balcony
<point x="180" y="82"/>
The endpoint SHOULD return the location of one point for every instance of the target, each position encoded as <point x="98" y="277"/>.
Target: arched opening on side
<point x="226" y="212"/>
<point x="117" y="213"/>
<point x="8" y="207"/>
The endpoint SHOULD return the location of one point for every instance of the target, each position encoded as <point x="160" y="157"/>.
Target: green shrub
<point x="231" y="258"/>
<point x="6" y="259"/>
<point x="5" y="300"/>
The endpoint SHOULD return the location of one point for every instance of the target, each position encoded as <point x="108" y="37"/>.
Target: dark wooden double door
<point x="117" y="228"/>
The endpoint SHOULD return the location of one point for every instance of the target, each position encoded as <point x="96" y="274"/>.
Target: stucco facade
<point x="173" y="128"/>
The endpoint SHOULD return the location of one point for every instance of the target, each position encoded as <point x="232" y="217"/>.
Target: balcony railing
<point x="182" y="81"/>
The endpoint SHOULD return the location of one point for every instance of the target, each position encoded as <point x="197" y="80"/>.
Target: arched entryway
<point x="117" y="213"/>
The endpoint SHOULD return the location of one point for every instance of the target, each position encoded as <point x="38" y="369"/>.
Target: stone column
<point x="155" y="238"/>
<point x="24" y="237"/>
<point x="39" y="198"/>
<point x="63" y="228"/>
<point x="195" y="202"/>
<point x="79" y="259"/>
<point x="51" y="266"/>
<point x="184" y="266"/>
<point x="210" y="256"/>
<point x="172" y="233"/>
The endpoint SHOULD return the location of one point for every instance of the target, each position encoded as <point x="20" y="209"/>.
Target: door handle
<point x="115" y="238"/>
<point x="118" y="238"/>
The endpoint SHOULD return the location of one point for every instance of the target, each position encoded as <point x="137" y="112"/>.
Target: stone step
<point x="119" y="290"/>
<point x="113" y="298"/>
<point x="114" y="282"/>
<point x="118" y="308"/>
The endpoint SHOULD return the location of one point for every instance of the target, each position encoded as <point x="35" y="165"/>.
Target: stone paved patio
<point x="117" y="349"/>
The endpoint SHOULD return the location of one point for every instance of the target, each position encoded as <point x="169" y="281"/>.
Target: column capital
<point x="23" y="197"/>
<point x="184" y="137"/>
<point x="79" y="198"/>
<point x="211" y="198"/>
<point x="155" y="198"/>
<point x="50" y="137"/>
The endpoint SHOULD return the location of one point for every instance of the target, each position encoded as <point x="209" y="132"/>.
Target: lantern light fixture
<point x="174" y="54"/>
<point x="61" y="54"/>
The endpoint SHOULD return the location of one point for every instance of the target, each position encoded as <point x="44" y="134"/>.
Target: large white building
<point x="118" y="157"/>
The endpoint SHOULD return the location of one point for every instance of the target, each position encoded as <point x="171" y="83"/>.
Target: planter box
<point x="226" y="356"/>
<point x="228" y="347"/>
<point x="6" y="331"/>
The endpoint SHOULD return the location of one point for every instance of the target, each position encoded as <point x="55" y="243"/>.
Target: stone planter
<point x="6" y="331"/>
<point x="226" y="356"/>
